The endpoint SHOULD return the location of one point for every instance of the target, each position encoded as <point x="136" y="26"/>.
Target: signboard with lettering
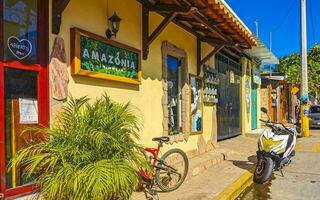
<point x="256" y="77"/>
<point x="97" y="57"/>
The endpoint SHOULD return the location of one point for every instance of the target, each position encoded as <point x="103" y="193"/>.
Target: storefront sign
<point x="256" y="77"/>
<point x="295" y="90"/>
<point x="19" y="48"/>
<point x="97" y="57"/>
<point x="20" y="31"/>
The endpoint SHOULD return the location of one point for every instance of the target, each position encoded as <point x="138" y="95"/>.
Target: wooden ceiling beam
<point x="212" y="53"/>
<point x="186" y="19"/>
<point x="202" y="30"/>
<point x="161" y="26"/>
<point x="147" y="40"/>
<point x="210" y="26"/>
<point x="168" y="8"/>
<point x="216" y="41"/>
<point x="58" y="7"/>
<point x="231" y="53"/>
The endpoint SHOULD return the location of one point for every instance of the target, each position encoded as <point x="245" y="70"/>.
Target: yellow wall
<point x="246" y="126"/>
<point x="91" y="16"/>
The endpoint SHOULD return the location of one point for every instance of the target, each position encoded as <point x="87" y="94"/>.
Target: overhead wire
<point x="285" y="16"/>
<point x="312" y="22"/>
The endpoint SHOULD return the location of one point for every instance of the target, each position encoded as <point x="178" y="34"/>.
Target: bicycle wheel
<point x="172" y="170"/>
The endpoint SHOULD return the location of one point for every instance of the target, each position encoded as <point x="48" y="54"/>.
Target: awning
<point x="212" y="21"/>
<point x="262" y="53"/>
<point x="274" y="77"/>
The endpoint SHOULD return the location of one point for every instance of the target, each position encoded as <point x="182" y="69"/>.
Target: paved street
<point x="301" y="179"/>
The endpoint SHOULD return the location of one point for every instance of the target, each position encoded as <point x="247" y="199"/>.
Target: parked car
<point x="314" y="116"/>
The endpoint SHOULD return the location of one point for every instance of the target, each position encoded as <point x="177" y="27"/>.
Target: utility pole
<point x="304" y="73"/>
<point x="270" y="43"/>
<point x="257" y="27"/>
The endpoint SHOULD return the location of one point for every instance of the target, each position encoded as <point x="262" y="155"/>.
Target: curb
<point x="237" y="187"/>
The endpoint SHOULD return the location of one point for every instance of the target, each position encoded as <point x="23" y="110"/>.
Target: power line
<point x="312" y="22"/>
<point x="285" y="16"/>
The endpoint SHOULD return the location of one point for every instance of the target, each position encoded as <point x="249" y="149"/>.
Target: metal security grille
<point x="228" y="107"/>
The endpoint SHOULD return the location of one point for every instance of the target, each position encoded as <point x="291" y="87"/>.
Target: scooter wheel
<point x="293" y="153"/>
<point x="263" y="170"/>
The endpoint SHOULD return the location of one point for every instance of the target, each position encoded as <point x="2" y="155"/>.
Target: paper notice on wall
<point x="28" y="111"/>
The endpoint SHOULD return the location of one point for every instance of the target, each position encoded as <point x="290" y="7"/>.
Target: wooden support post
<point x="198" y="56"/>
<point x="161" y="26"/>
<point x="145" y="32"/>
<point x="146" y="39"/>
<point x="212" y="53"/>
<point x="58" y="7"/>
<point x="232" y="53"/>
<point x="168" y="8"/>
<point x="208" y="25"/>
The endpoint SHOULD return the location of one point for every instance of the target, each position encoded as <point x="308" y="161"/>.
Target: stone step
<point x="200" y="163"/>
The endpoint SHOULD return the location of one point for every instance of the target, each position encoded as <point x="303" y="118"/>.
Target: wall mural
<point x="59" y="72"/>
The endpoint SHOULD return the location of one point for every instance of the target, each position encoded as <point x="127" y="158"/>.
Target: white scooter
<point x="275" y="149"/>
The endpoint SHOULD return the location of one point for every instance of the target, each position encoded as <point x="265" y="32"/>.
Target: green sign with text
<point x="103" y="58"/>
<point x="98" y="57"/>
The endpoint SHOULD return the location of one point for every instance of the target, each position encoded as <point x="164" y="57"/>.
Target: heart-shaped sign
<point x="19" y="48"/>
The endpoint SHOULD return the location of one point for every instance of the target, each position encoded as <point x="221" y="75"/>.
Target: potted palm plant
<point x="89" y="153"/>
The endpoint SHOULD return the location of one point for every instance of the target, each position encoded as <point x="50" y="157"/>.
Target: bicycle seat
<point x="162" y="139"/>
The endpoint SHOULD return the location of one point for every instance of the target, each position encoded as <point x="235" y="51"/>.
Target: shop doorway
<point x="24" y="84"/>
<point x="21" y="113"/>
<point x="228" y="107"/>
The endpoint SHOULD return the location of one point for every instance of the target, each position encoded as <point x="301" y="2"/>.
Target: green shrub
<point x="90" y="153"/>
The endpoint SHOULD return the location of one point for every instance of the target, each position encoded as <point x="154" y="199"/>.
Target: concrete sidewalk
<point x="301" y="178"/>
<point x="238" y="156"/>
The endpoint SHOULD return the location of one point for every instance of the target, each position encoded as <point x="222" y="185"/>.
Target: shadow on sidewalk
<point x="245" y="164"/>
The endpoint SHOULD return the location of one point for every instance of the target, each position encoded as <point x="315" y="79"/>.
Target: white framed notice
<point x="28" y="109"/>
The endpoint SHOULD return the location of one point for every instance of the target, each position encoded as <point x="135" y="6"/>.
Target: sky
<point x="282" y="18"/>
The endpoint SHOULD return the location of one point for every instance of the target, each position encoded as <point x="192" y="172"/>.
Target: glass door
<point x="21" y="114"/>
<point x="24" y="84"/>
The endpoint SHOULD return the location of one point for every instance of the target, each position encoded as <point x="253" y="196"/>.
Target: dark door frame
<point x="225" y="117"/>
<point x="43" y="88"/>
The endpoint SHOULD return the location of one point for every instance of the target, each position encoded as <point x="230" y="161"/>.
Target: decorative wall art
<point x="59" y="72"/>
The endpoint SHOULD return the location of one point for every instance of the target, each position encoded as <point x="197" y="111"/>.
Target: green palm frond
<point x="89" y="153"/>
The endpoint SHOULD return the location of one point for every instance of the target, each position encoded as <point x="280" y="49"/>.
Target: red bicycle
<point x="168" y="172"/>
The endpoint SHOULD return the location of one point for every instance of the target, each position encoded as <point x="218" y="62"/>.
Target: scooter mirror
<point x="264" y="110"/>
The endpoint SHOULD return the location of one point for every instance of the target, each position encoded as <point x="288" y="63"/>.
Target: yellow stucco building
<point x="147" y="96"/>
<point x="181" y="63"/>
